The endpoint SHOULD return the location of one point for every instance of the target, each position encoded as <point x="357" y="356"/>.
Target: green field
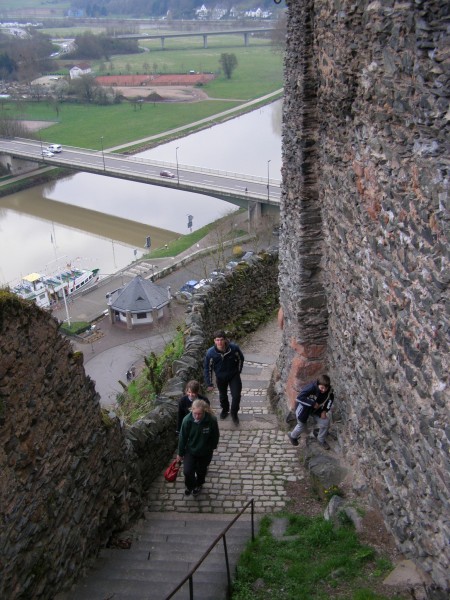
<point x="259" y="72"/>
<point x="84" y="126"/>
<point x="33" y="8"/>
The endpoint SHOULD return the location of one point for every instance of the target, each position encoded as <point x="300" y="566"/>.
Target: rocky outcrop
<point x="364" y="253"/>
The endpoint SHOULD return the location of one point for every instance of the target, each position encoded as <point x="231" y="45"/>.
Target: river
<point x="96" y="221"/>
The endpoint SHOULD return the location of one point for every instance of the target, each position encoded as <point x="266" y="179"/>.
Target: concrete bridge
<point x="261" y="195"/>
<point x="246" y="33"/>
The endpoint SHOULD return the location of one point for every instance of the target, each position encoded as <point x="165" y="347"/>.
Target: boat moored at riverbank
<point x="47" y="290"/>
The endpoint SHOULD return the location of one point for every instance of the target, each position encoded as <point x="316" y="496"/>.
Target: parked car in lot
<point x="203" y="282"/>
<point x="165" y="173"/>
<point x="230" y="265"/>
<point x="233" y="263"/>
<point x="189" y="286"/>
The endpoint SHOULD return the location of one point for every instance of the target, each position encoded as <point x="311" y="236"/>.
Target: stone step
<point x="139" y="560"/>
<point x="187" y="553"/>
<point x="164" y="548"/>
<point x="129" y="589"/>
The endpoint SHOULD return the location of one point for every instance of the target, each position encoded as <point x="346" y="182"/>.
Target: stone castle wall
<point x="71" y="476"/>
<point x="55" y="451"/>
<point x="364" y="254"/>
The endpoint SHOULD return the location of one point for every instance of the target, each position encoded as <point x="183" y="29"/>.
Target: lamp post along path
<point x="178" y="173"/>
<point x="103" y="154"/>
<point x="268" y="180"/>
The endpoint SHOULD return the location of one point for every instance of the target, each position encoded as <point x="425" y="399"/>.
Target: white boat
<point x="46" y="290"/>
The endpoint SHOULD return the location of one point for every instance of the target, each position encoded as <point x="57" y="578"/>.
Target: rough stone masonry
<point x="364" y="251"/>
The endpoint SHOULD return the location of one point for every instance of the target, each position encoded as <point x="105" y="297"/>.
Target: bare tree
<point x="84" y="87"/>
<point x="228" y="62"/>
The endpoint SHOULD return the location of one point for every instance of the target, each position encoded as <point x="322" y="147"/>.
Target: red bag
<point x="170" y="474"/>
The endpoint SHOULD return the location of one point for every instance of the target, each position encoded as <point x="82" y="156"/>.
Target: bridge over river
<point x="23" y="155"/>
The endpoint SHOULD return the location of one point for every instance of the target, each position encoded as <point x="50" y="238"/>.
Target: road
<point x="220" y="184"/>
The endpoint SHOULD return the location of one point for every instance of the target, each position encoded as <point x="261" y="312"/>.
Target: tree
<point x="278" y="37"/>
<point x="84" y="88"/>
<point x="229" y="63"/>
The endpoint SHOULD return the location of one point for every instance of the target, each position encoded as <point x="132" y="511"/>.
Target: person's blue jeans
<point x="235" y="385"/>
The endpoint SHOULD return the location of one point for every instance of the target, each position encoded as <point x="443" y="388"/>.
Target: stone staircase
<point x="164" y="548"/>
<point x="253" y="460"/>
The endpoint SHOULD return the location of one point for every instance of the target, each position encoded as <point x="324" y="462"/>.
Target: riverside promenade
<point x="253" y="460"/>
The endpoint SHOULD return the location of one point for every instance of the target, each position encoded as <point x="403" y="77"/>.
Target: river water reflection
<point x="95" y="221"/>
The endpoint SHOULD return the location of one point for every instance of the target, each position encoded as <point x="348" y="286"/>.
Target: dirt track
<point x="168" y="93"/>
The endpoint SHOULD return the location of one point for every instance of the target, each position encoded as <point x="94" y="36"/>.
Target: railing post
<point x="227" y="562"/>
<point x="253" y="519"/>
<point x="191" y="588"/>
<point x="190" y="575"/>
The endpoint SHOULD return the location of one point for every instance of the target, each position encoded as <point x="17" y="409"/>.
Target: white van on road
<point x="54" y="148"/>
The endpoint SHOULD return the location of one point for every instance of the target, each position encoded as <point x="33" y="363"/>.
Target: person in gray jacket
<point x="225" y="360"/>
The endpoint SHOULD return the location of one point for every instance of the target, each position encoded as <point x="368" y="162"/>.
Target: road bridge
<point x="246" y="33"/>
<point x="258" y="194"/>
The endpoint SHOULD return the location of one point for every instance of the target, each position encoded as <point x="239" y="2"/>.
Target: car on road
<point x="47" y="153"/>
<point x="169" y="174"/>
<point x="54" y="148"/>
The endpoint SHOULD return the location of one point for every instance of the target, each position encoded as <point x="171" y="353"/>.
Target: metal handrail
<point x="189" y="576"/>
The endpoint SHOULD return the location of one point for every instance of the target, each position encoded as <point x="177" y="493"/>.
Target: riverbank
<point x="45" y="174"/>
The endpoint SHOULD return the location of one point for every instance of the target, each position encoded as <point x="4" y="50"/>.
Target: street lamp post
<point x="176" y="156"/>
<point x="103" y="154"/>
<point x="268" y="180"/>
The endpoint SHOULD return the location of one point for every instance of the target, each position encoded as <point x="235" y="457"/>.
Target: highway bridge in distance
<point x="246" y="33"/>
<point x="239" y="189"/>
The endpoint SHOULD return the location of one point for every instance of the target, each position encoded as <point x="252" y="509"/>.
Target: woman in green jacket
<point x="199" y="436"/>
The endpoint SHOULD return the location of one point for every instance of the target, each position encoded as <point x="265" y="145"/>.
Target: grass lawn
<point x="8" y="5"/>
<point x="318" y="561"/>
<point x="83" y="126"/>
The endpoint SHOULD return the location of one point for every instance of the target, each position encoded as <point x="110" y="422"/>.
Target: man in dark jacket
<point x="199" y="436"/>
<point x="316" y="400"/>
<point x="225" y="360"/>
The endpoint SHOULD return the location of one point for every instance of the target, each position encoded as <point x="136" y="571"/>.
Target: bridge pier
<point x="163" y="39"/>
<point x="17" y="166"/>
<point x="205" y="41"/>
<point x="246" y="39"/>
<point x="254" y="215"/>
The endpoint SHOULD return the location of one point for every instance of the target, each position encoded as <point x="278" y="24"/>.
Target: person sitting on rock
<point x="316" y="400"/>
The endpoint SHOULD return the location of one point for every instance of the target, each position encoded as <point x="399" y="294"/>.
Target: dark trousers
<point x="194" y="469"/>
<point x="235" y="385"/>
